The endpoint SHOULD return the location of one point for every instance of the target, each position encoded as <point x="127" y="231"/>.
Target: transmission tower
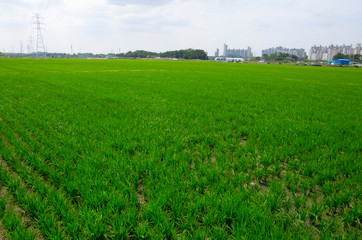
<point x="38" y="24"/>
<point x="21" y="48"/>
<point x="30" y="45"/>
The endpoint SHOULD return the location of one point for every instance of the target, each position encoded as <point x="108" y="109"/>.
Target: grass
<point x="123" y="149"/>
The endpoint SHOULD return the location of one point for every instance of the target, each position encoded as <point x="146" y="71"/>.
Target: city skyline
<point x="299" y="52"/>
<point x="326" y="53"/>
<point x="105" y="26"/>
<point x="315" y="52"/>
<point x="227" y="52"/>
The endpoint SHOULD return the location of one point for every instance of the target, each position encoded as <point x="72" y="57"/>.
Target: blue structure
<point x="339" y="62"/>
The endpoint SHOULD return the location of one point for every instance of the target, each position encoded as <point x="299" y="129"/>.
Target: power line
<point x="38" y="24"/>
<point x="60" y="13"/>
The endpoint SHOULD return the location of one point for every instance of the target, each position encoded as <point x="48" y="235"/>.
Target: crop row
<point x="180" y="150"/>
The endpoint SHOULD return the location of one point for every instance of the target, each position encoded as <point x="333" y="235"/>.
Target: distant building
<point x="299" y="52"/>
<point x="340" y="62"/>
<point x="237" y="53"/>
<point x="229" y="59"/>
<point x="225" y="50"/>
<point x="234" y="59"/>
<point x="326" y="53"/>
<point x="217" y="53"/>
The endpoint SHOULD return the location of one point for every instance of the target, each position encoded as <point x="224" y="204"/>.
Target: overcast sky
<point x="103" y="26"/>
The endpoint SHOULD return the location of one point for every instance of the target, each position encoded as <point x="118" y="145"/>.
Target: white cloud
<point x="139" y="2"/>
<point x="102" y="25"/>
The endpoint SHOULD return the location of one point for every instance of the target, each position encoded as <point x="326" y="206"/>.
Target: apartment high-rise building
<point x="225" y="50"/>
<point x="244" y="53"/>
<point x="217" y="53"/>
<point x="300" y="52"/>
<point x="326" y="53"/>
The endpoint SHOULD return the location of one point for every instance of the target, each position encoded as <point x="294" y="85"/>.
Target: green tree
<point x="186" y="54"/>
<point x="294" y="58"/>
<point x="140" y="54"/>
<point x="340" y="56"/>
<point x="281" y="57"/>
<point x="357" y="58"/>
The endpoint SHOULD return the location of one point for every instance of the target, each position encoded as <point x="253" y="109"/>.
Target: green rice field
<point x="148" y="149"/>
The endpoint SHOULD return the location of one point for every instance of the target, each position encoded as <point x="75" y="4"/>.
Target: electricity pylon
<point x="30" y="45"/>
<point x="38" y="24"/>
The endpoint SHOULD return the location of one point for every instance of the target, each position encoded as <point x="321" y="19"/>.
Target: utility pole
<point x="21" y="48"/>
<point x="30" y="45"/>
<point x="38" y="25"/>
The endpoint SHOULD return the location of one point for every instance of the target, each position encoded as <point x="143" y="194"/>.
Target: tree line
<point x="352" y="57"/>
<point x="281" y="57"/>
<point x="184" y="54"/>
